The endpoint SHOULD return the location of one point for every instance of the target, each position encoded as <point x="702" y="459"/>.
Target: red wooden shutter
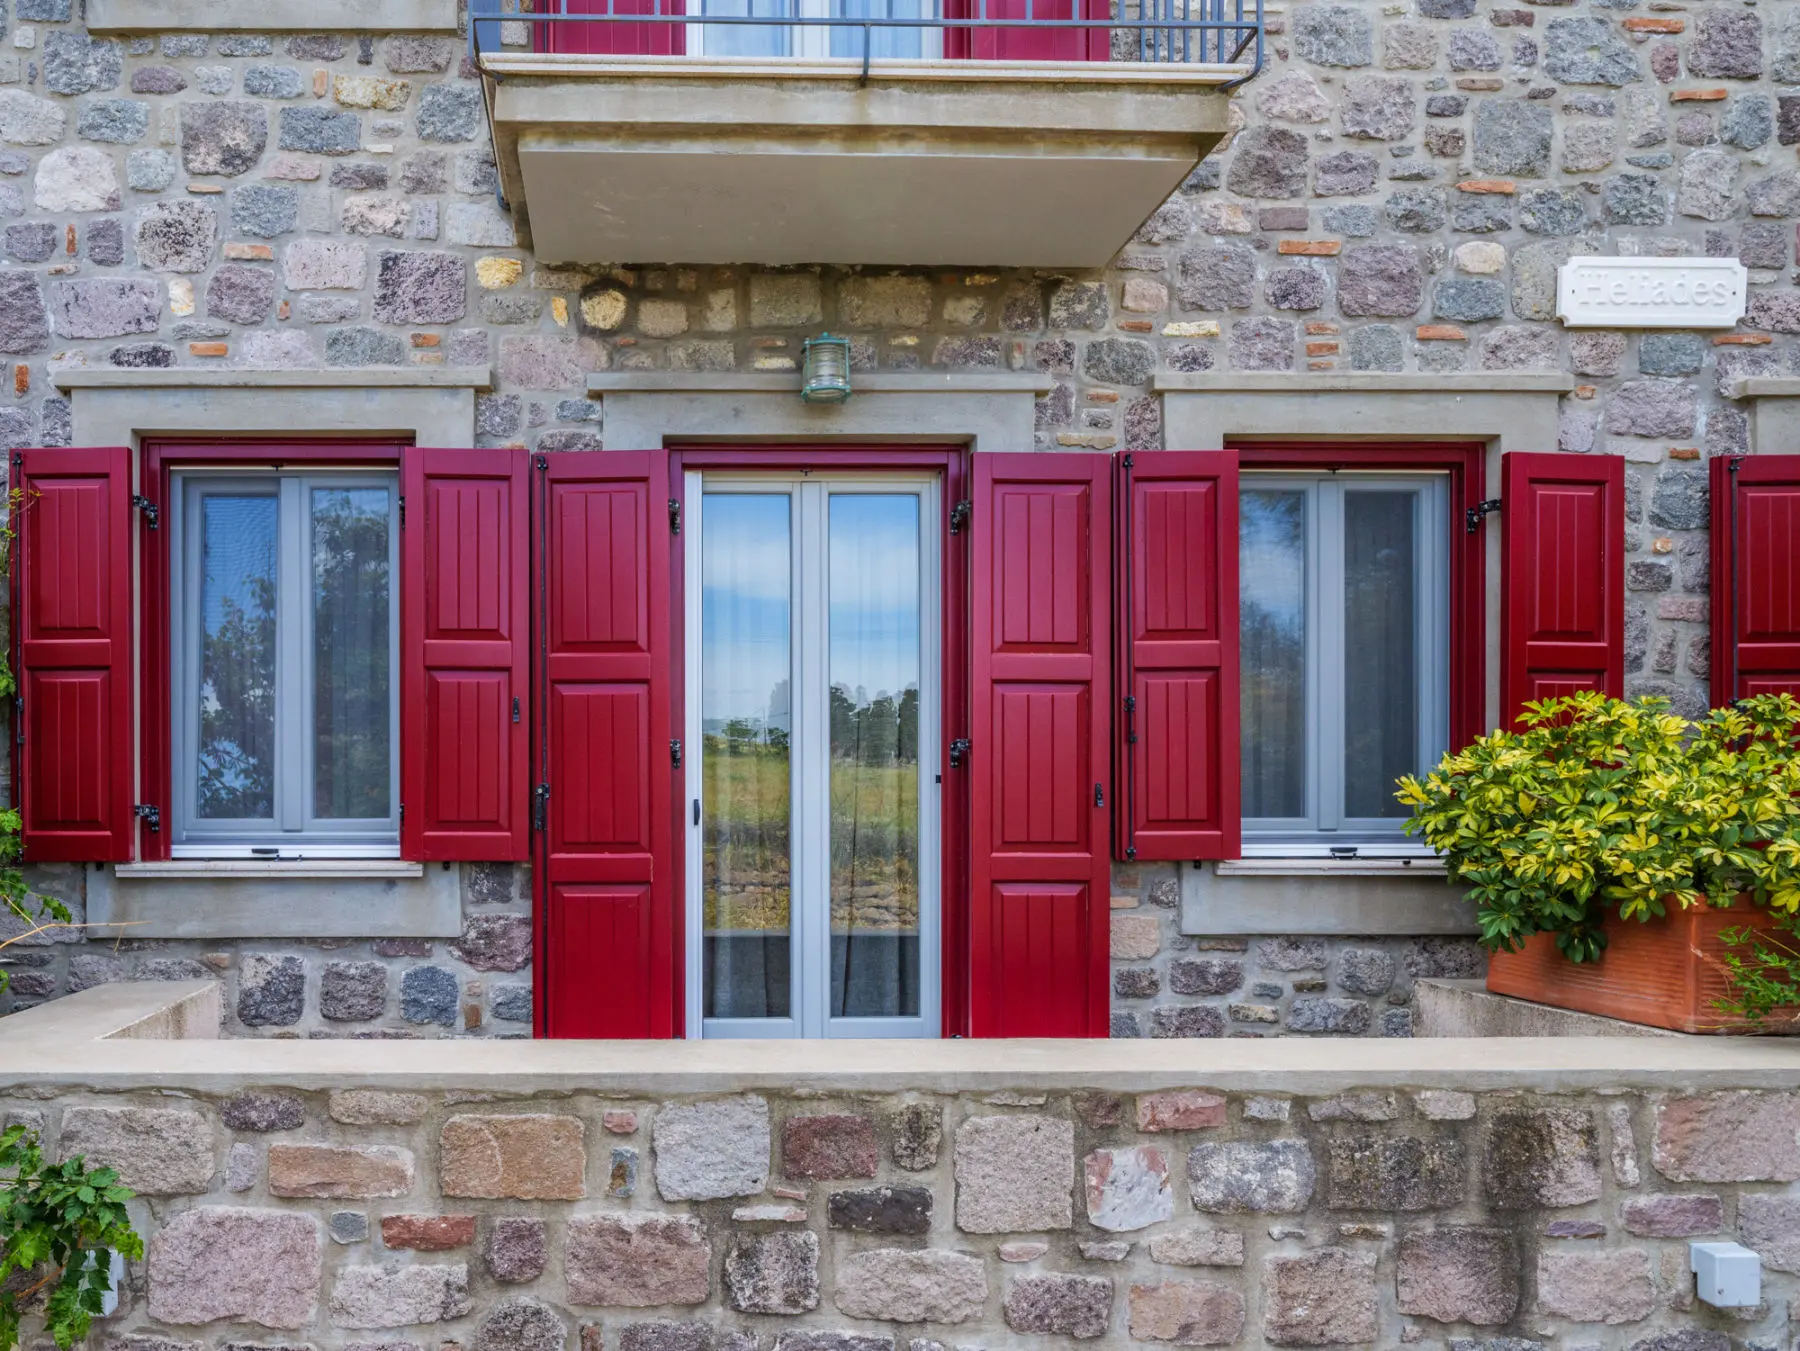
<point x="607" y="38"/>
<point x="1040" y="890"/>
<point x="1755" y="576"/>
<point x="1562" y="621"/>
<point x="1028" y="44"/>
<point x="1177" y="724"/>
<point x="610" y="890"/>
<point x="72" y="597"/>
<point x="465" y="645"/>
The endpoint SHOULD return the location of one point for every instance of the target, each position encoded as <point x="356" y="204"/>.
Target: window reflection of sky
<point x="745" y="610"/>
<point x="874" y="593"/>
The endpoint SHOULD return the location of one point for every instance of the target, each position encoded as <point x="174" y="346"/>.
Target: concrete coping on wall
<point x="192" y="377"/>
<point x="788" y="382"/>
<point x="1281" y="382"/>
<point x="79" y="1039"/>
<point x="228" y="16"/>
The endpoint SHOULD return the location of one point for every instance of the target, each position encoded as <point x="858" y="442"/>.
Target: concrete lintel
<point x="56" y="1045"/>
<point x="1278" y="382"/>
<point x="200" y="377"/>
<point x="183" y="903"/>
<point x="788" y="383"/>
<point x="1774" y="412"/>
<point x="122" y="414"/>
<point x="307" y="16"/>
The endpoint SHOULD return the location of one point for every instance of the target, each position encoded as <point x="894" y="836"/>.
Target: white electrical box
<point x="1726" y="1275"/>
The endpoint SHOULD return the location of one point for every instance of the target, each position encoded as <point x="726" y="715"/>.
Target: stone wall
<point x="916" y="1220"/>
<point x="1403" y="184"/>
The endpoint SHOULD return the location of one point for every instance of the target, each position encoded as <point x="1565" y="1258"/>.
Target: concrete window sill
<point x="265" y="898"/>
<point x="1331" y="867"/>
<point x="236" y="16"/>
<point x="291" y="869"/>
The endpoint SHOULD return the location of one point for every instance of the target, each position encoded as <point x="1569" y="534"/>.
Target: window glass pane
<point x="1381" y="672"/>
<point x="352" y="765"/>
<point x="236" y="761"/>
<point x="746" y="871"/>
<point x="748" y="39"/>
<point x="1272" y="597"/>
<point x="874" y="655"/>
<point x="882" y="41"/>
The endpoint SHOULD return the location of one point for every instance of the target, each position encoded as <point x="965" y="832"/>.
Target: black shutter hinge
<point x="1126" y="461"/>
<point x="674" y="516"/>
<point x="403" y="511"/>
<point x="959" y="752"/>
<point x="1131" y="716"/>
<point x="150" y="815"/>
<point x="1473" y="517"/>
<point x="675" y="752"/>
<point x="540" y="806"/>
<point x="541" y="463"/>
<point x="959" y="516"/>
<point x="151" y="514"/>
<point x="1732" y="465"/>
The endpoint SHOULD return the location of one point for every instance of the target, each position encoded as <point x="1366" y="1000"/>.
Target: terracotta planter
<point x="1664" y="973"/>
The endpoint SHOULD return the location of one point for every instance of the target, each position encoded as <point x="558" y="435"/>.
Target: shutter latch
<point x="151" y="514"/>
<point x="674" y="516"/>
<point x="540" y="806"/>
<point x="959" y="752"/>
<point x="515" y="708"/>
<point x="1099" y="795"/>
<point x="959" y="516"/>
<point x="149" y="815"/>
<point x="675" y="752"/>
<point x="1473" y="517"/>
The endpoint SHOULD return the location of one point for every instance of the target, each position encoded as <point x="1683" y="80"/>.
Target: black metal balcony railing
<point x="1219" y="32"/>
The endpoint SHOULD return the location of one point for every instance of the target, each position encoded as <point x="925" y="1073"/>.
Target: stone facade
<point x="342" y="1219"/>
<point x="1403" y="182"/>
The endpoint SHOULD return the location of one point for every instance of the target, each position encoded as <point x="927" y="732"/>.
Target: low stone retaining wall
<point x="561" y="1197"/>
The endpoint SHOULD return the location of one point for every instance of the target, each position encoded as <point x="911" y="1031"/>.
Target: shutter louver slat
<point x="465" y="653"/>
<point x="1039" y="695"/>
<point x="1563" y="613"/>
<point x="1177" y="741"/>
<point x="72" y="608"/>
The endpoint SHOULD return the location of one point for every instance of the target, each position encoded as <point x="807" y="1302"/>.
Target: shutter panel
<point x="615" y="39"/>
<point x="72" y="598"/>
<point x="465" y="644"/>
<point x="1028" y="44"/>
<point x="1177" y="728"/>
<point x="1755" y="576"/>
<point x="1040" y="887"/>
<point x="610" y="888"/>
<point x="1563" y="613"/>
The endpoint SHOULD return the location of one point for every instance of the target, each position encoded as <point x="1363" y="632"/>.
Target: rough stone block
<point x="1187" y="1313"/>
<point x="1544" y="1158"/>
<point x="156" y="1151"/>
<point x="1728" y="1137"/>
<point x="1244" y="1178"/>
<point x="773" y="1273"/>
<point x="1673" y="1216"/>
<point x="520" y="1324"/>
<point x="225" y="1262"/>
<point x="1128" y="1188"/>
<point x="372" y="1107"/>
<point x="1400" y="1172"/>
<point x="881" y="1210"/>
<point x="516" y="1249"/>
<point x="1058" y="1305"/>
<point x="1459" y="1275"/>
<point x="638" y="1260"/>
<point x="399" y="1296"/>
<point x="76" y="178"/>
<point x="263" y="1112"/>
<point x="528" y="1157"/>
<point x="710" y="1150"/>
<point x="1596" y="1287"/>
<point x="1180" y="1109"/>
<point x="815" y="1147"/>
<point x="339" y="1170"/>
<point x="1198" y="1248"/>
<point x="224" y="138"/>
<point x="1014" y="1174"/>
<point x="176" y="237"/>
<point x="427" y="1233"/>
<point x="911" y="1286"/>
<point x="1323" y="1298"/>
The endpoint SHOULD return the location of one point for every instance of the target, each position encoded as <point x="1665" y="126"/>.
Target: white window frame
<point x="809" y="743"/>
<point x="813" y="43"/>
<point x="1324" y="830"/>
<point x="292" y="833"/>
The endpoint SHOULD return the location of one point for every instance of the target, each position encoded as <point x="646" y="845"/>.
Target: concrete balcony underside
<point x="965" y="163"/>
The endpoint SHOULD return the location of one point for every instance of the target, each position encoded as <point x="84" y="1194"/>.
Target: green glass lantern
<point x="825" y="362"/>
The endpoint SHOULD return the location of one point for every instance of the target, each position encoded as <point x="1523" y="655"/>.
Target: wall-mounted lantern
<point x="825" y="369"/>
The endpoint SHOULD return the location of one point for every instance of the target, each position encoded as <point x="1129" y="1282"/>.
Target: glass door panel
<point x="746" y="620"/>
<point x="875" y="674"/>
<point x="813" y="840"/>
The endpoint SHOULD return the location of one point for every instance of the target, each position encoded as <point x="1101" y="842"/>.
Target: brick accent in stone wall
<point x="1505" y="1220"/>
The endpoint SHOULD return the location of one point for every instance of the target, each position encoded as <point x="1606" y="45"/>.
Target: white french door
<point x="813" y="633"/>
<point x="775" y="38"/>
